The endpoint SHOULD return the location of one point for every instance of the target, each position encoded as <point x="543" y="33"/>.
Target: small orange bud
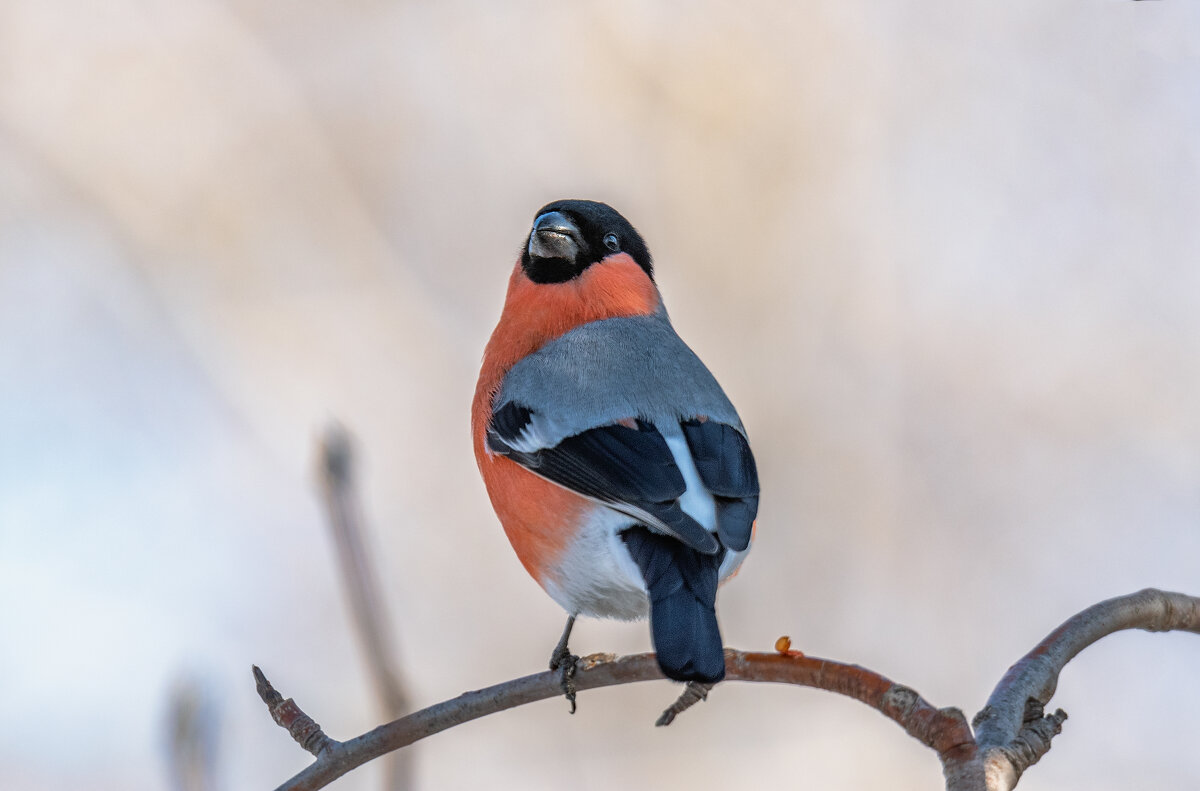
<point x="783" y="644"/>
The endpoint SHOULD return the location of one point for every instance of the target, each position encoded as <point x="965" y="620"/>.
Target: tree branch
<point x="1011" y="734"/>
<point x="1010" y="730"/>
<point x="945" y="730"/>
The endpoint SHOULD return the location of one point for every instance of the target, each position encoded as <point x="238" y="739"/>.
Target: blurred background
<point x="944" y="257"/>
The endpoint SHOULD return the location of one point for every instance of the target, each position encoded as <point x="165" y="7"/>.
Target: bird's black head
<point x="568" y="236"/>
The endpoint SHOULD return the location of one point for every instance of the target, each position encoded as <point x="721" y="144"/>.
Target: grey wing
<point x="560" y="412"/>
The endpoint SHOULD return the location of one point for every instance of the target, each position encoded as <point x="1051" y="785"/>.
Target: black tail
<point x="683" y="592"/>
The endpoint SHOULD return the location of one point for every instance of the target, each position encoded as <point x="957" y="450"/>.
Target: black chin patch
<point x="549" y="270"/>
<point x="595" y="222"/>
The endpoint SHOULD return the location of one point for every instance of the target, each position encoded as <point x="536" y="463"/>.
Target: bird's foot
<point x="562" y="659"/>
<point x="693" y="693"/>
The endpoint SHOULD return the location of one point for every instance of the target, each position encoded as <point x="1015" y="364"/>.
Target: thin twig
<point x="287" y="715"/>
<point x="366" y="602"/>
<point x="1008" y="741"/>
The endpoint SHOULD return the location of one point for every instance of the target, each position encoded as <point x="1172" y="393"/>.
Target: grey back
<point x="614" y="369"/>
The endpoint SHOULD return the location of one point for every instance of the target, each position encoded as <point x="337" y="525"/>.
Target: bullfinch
<point x="618" y="467"/>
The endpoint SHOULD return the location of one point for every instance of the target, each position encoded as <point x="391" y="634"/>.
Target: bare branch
<point x="287" y="715"/>
<point x="945" y="730"/>
<point x="1008" y="739"/>
<point x="336" y="470"/>
<point x="1012" y="732"/>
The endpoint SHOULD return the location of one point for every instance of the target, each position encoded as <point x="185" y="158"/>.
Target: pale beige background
<point x="945" y="257"/>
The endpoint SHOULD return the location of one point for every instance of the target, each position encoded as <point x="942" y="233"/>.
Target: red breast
<point x="537" y="515"/>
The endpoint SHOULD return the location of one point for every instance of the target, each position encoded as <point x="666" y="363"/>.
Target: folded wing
<point x="628" y="468"/>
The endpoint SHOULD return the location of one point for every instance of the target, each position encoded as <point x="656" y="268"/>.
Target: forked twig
<point x="1009" y="738"/>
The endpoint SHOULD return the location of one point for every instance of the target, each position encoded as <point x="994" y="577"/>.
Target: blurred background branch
<point x="192" y="737"/>
<point x="336" y="469"/>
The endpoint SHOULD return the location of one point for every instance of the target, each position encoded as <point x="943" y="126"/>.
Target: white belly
<point x="598" y="577"/>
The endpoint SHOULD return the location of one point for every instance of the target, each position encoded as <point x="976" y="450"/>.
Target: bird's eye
<point x="611" y="242"/>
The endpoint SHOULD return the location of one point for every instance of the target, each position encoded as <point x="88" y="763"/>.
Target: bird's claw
<point x="568" y="663"/>
<point x="564" y="659"/>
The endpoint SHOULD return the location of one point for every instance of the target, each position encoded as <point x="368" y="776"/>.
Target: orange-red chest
<point x="538" y="516"/>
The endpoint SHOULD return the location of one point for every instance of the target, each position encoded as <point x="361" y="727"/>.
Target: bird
<point x="619" y="469"/>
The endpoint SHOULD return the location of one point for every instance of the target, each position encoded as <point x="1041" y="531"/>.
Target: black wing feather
<point x="727" y="467"/>
<point x="615" y="464"/>
<point x="508" y="421"/>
